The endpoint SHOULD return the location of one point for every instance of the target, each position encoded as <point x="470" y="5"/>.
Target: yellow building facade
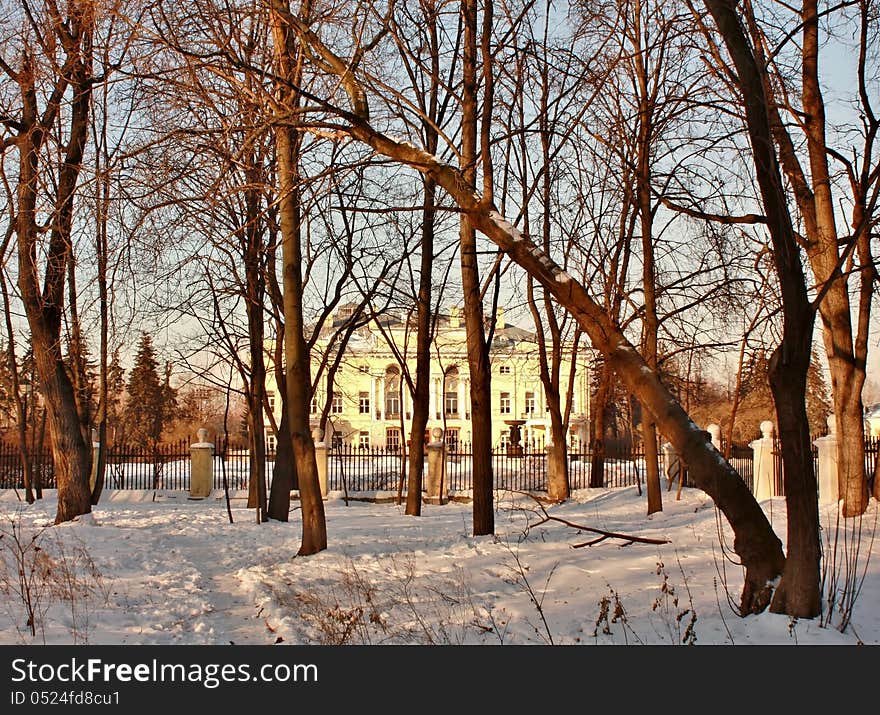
<point x="371" y="405"/>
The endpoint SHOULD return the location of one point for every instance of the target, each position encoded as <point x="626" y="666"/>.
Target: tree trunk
<point x="297" y="359"/>
<point x="798" y="593"/>
<point x="421" y="394"/>
<point x="650" y="321"/>
<point x="283" y="474"/>
<point x="477" y="349"/>
<point x="254" y="296"/>
<point x="45" y="308"/>
<point x="598" y="414"/>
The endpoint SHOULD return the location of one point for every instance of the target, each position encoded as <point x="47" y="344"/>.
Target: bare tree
<point x="756" y="543"/>
<point x="798" y="591"/>
<point x="53" y="74"/>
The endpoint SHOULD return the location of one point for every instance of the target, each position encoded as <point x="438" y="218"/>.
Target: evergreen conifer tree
<point x="150" y="400"/>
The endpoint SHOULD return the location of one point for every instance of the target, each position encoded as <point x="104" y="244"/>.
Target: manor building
<point x="371" y="405"/>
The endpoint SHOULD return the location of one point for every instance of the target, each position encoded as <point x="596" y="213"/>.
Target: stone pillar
<point x="436" y="465"/>
<point x="432" y="398"/>
<point x="829" y="486"/>
<point x="764" y="463"/>
<point x="672" y="465"/>
<point x="373" y="400"/>
<point x="321" y="459"/>
<point x="201" y="479"/>
<point x="462" y="395"/>
<point x="96" y="449"/>
<point x="382" y="399"/>
<point x="715" y="433"/>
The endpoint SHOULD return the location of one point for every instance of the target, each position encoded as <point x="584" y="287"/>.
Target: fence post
<point x="436" y="462"/>
<point x="829" y="486"/>
<point x="321" y="459"/>
<point x="201" y="478"/>
<point x="96" y="449"/>
<point x="764" y="474"/>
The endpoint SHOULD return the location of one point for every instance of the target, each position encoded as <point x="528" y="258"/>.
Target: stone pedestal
<point x="201" y="479"/>
<point x="436" y="464"/>
<point x="764" y="463"/>
<point x="829" y="485"/>
<point x="514" y="448"/>
<point x="321" y="459"/>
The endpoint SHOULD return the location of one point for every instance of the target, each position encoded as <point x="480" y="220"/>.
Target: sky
<point x="174" y="571"/>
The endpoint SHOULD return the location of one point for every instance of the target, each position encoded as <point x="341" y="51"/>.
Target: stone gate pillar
<point x="202" y="467"/>
<point x="764" y="462"/>
<point x="436" y="464"/>
<point x="829" y="485"/>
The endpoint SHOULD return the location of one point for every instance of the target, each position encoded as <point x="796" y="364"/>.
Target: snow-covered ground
<point x="175" y="571"/>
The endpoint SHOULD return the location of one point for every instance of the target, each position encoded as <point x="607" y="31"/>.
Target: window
<point x="336" y="405"/>
<point x="314" y="407"/>
<point x="364" y="440"/>
<point x="504" y="370"/>
<point x="505" y="439"/>
<point x="392" y="392"/>
<point x="271" y="442"/>
<point x="270" y="396"/>
<point x="364" y="369"/>
<point x="531" y="406"/>
<point x="505" y="403"/>
<point x="392" y="439"/>
<point x="451" y="438"/>
<point x="392" y="404"/>
<point x="364" y="403"/>
<point x="336" y="440"/>
<point x="450" y="392"/>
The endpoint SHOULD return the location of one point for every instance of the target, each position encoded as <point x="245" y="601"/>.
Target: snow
<point x="160" y="568"/>
<point x="505" y="225"/>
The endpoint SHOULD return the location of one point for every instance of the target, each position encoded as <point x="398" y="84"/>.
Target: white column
<point x="382" y="398"/>
<point x="715" y="431"/>
<point x="372" y="398"/>
<point x="829" y="486"/>
<point x="432" y="399"/>
<point x="462" y="394"/>
<point x="764" y="461"/>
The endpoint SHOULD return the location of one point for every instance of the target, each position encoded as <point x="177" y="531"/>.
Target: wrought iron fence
<point x="368" y="469"/>
<point x="164" y="466"/>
